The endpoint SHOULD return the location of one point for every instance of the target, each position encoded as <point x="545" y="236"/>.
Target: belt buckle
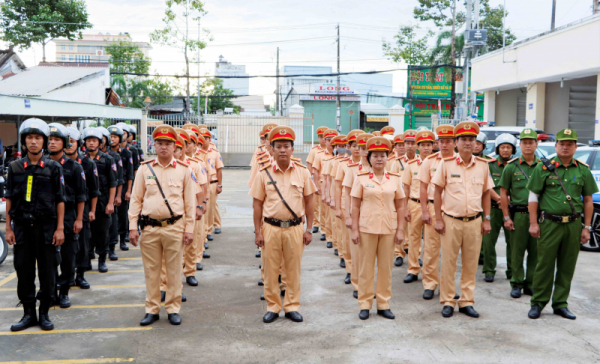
<point x="565" y="219"/>
<point x="284" y="224"/>
<point x="465" y="219"/>
<point x="163" y="223"/>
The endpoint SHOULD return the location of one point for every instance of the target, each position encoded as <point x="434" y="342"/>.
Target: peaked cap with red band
<point x="387" y="130"/>
<point x="266" y="129"/>
<point x="363" y="138"/>
<point x="399" y="138"/>
<point x="338" y="140"/>
<point x="321" y="130"/>
<point x="445" y="131"/>
<point x="425" y="136"/>
<point x="282" y="133"/>
<point x="201" y="140"/>
<point x="180" y="142"/>
<point x="410" y="135"/>
<point x="377" y="133"/>
<point x="192" y="127"/>
<point x="164" y="132"/>
<point x="205" y="132"/>
<point x="466" y="128"/>
<point x="330" y="133"/>
<point x="353" y="134"/>
<point x="184" y="134"/>
<point x="378" y="144"/>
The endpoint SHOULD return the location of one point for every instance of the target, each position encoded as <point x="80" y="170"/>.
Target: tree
<point x="126" y="57"/>
<point x="178" y="38"/>
<point x="131" y="91"/>
<point x="219" y="97"/>
<point x="492" y="21"/>
<point x="160" y="91"/>
<point x="408" y="48"/>
<point x="23" y="22"/>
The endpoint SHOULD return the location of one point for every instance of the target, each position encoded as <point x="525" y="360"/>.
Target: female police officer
<point x="377" y="212"/>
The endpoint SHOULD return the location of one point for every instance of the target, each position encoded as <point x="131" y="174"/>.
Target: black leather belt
<point x="495" y="204"/>
<point x="283" y="224"/>
<point x="148" y="221"/>
<point x="559" y="218"/>
<point x="429" y="201"/>
<point x="465" y="219"/>
<point x="518" y="208"/>
<point x="214" y="181"/>
<point x="416" y="200"/>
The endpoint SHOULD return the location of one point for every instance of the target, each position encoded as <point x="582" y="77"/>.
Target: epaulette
<point x="321" y="151"/>
<point x="352" y="164"/>
<point x="491" y="160"/>
<point x="450" y="158"/>
<point x="296" y="159"/>
<point x="148" y="161"/>
<point x="345" y="159"/>
<point x="327" y="160"/>
<point x="394" y="174"/>
<point x="182" y="162"/>
<point x="260" y="152"/>
<point x="194" y="159"/>
<point x="412" y="161"/>
<point x="264" y="160"/>
<point x="340" y="157"/>
<point x="265" y="166"/>
<point x="580" y="162"/>
<point x="261" y="156"/>
<point x="299" y="164"/>
<point x="391" y="157"/>
<point x="433" y="155"/>
<point x="363" y="173"/>
<point x="203" y="151"/>
<point x="316" y="146"/>
<point x="512" y="160"/>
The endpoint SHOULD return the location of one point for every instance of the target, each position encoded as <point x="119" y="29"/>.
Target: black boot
<point x="102" y="268"/>
<point x="29" y="318"/>
<point x="81" y="282"/>
<point x="63" y="298"/>
<point x="123" y="246"/>
<point x="111" y="253"/>
<point x="45" y="323"/>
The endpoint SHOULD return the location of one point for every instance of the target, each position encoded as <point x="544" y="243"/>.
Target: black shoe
<point x="81" y="282"/>
<point x="72" y="283"/>
<point x="191" y="280"/>
<point x="480" y="262"/>
<point x="174" y="319"/>
<point x="447" y="311"/>
<point x="406" y="251"/>
<point x="63" y="301"/>
<point x="123" y="246"/>
<point x="489" y="278"/>
<point x="102" y="268"/>
<point x="262" y="297"/>
<point x="112" y="255"/>
<point x="205" y="245"/>
<point x="258" y="254"/>
<point x="92" y="255"/>
<point x="348" y="279"/>
<point x="209" y="237"/>
<point x="205" y="255"/>
<point x="44" y="321"/>
<point x="515" y="292"/>
<point x="420" y="262"/>
<point x="564" y="312"/>
<point x="127" y="238"/>
<point x="410" y="278"/>
<point x="217" y="230"/>
<point x="199" y="266"/>
<point x="315" y="229"/>
<point x="527" y="292"/>
<point x="398" y="262"/>
<point x="508" y="276"/>
<point x="294" y="316"/>
<point x="386" y="314"/>
<point x="363" y="314"/>
<point x="456" y="296"/>
<point x="260" y="266"/>
<point x="28" y="320"/>
<point x="149" y="319"/>
<point x="428" y="294"/>
<point x="270" y="317"/>
<point x="329" y="245"/>
<point x="342" y="263"/>
<point x="282" y="293"/>
<point x="183" y="297"/>
<point x="535" y="312"/>
<point x="355" y="294"/>
<point x="261" y="283"/>
<point x="469" y="311"/>
<point x="335" y="252"/>
<point x="163" y="294"/>
<point x="323" y="237"/>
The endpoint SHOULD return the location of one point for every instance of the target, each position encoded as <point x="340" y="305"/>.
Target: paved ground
<point x="222" y="320"/>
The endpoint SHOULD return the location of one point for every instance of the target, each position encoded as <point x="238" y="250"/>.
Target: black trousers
<point x="99" y="239"/>
<point x="82" y="258"/>
<point x="123" y="220"/>
<point x="34" y="248"/>
<point x="68" y="252"/>
<point x="113" y="235"/>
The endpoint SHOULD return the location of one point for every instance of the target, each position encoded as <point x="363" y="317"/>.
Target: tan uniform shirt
<point x="342" y="171"/>
<point x="410" y="177"/>
<point x="428" y="168"/>
<point x="399" y="165"/>
<point x="259" y="164"/>
<point x="179" y="189"/>
<point x="464" y="184"/>
<point x="378" y="209"/>
<point x="318" y="162"/>
<point x="214" y="158"/>
<point x="199" y="174"/>
<point x="313" y="153"/>
<point x="294" y="184"/>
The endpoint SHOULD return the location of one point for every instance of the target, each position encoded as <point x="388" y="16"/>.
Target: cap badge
<point x="527" y="131"/>
<point x="282" y="132"/>
<point x="467" y="127"/>
<point x="378" y="142"/>
<point x="567" y="131"/>
<point x="53" y="129"/>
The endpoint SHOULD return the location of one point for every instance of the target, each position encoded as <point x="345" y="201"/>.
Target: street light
<point x="147" y="102"/>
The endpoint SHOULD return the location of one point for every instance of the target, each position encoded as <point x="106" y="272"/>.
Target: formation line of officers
<point x="378" y="198"/>
<point x="77" y="195"/>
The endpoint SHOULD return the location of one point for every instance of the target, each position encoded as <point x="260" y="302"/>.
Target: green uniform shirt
<point x="515" y="182"/>
<point x="496" y="169"/>
<point x="576" y="177"/>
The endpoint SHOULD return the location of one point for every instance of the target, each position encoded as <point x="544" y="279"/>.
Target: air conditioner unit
<point x="99" y="53"/>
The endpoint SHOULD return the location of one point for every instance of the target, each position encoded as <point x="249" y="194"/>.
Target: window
<point x="83" y="58"/>
<point x="63" y="47"/>
<point x="70" y="47"/>
<point x="70" y="58"/>
<point x="596" y="164"/>
<point x="63" y="58"/>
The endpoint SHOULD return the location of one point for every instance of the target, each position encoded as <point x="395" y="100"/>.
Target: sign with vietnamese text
<point x="328" y="98"/>
<point x="378" y="119"/>
<point x="330" y="89"/>
<point x="434" y="83"/>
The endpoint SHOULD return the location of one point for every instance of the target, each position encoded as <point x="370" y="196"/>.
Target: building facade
<point x="239" y="86"/>
<point x="91" y="48"/>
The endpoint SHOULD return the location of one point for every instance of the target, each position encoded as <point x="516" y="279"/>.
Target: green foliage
<point x="408" y="48"/>
<point x="213" y="87"/>
<point x="126" y="56"/>
<point x="160" y="91"/>
<point x="492" y="21"/>
<point x="24" y="22"/>
<point x="131" y="91"/>
<point x="441" y="53"/>
<point x="438" y="11"/>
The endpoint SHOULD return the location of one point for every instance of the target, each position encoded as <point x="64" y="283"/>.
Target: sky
<point x="304" y="31"/>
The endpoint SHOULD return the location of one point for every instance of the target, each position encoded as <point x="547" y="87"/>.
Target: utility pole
<point x="277" y="90"/>
<point x="199" y="110"/>
<point x="553" y="15"/>
<point x="467" y="51"/>
<point x="595" y="7"/>
<point x="337" y="115"/>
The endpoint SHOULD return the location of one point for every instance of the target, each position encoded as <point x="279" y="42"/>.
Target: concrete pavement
<point x="222" y="319"/>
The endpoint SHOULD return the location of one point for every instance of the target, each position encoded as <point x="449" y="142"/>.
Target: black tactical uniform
<point x="113" y="235"/>
<point x="127" y="159"/>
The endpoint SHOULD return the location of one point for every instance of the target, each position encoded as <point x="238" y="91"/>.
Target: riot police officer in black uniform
<point x="107" y="175"/>
<point x="114" y="218"/>
<point x="117" y="135"/>
<point x="130" y="144"/>
<point x="135" y="147"/>
<point x="35" y="203"/>
<point x="82" y="260"/>
<point x="74" y="181"/>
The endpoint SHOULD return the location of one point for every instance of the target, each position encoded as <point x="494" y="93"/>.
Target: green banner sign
<point x="434" y="83"/>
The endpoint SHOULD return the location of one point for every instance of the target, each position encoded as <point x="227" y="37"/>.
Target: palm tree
<point x="132" y="92"/>
<point x="441" y="53"/>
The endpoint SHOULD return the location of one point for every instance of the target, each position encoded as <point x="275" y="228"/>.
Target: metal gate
<point x="582" y="111"/>
<point x="521" y="110"/>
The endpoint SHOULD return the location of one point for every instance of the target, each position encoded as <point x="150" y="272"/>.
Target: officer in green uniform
<point x="480" y="144"/>
<point x="556" y="188"/>
<point x="506" y="146"/>
<point x="516" y="214"/>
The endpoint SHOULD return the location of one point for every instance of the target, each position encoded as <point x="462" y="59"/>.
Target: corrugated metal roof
<point x="39" y="81"/>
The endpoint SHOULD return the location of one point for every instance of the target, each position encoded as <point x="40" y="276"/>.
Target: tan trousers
<point x="381" y="248"/>
<point x="466" y="238"/>
<point x="217" y="222"/>
<point x="346" y="242"/>
<point x="154" y="242"/>
<point x="399" y="249"/>
<point x="282" y="245"/>
<point x="355" y="268"/>
<point x="200" y="238"/>
<point x="431" y="253"/>
<point x="211" y="208"/>
<point x="415" y="229"/>
<point x="338" y="241"/>
<point x="325" y="227"/>
<point x="317" y="218"/>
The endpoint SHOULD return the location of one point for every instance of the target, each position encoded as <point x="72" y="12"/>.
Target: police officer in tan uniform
<point x="462" y="186"/>
<point x="309" y="162"/>
<point x="168" y="222"/>
<point x="278" y="225"/>
<point x="319" y="165"/>
<point x="398" y="165"/>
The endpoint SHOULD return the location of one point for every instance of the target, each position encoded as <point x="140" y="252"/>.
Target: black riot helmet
<point x="60" y="131"/>
<point x="34" y="126"/>
<point x="116" y="130"/>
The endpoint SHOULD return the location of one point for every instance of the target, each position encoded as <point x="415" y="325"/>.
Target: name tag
<point x="455" y="175"/>
<point x="29" y="186"/>
<point x="518" y="173"/>
<point x="435" y="169"/>
<point x="415" y="173"/>
<point x="151" y="177"/>
<point x="552" y="177"/>
<point x="496" y="174"/>
<point x="371" y="186"/>
<point x="272" y="183"/>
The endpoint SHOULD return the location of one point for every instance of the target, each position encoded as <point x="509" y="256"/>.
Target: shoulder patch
<point x="265" y="166"/>
<point x="450" y="158"/>
<point x="182" y="162"/>
<point x="394" y="174"/>
<point x="363" y="173"/>
<point x="299" y="164"/>
<point x="296" y="159"/>
<point x="320" y="151"/>
<point x="512" y="160"/>
<point x="148" y="161"/>
<point x="491" y="160"/>
<point x="580" y="162"/>
<point x="352" y="164"/>
<point x="433" y="155"/>
<point x="412" y="161"/>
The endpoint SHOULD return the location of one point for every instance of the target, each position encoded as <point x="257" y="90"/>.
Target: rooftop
<point x="40" y="80"/>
